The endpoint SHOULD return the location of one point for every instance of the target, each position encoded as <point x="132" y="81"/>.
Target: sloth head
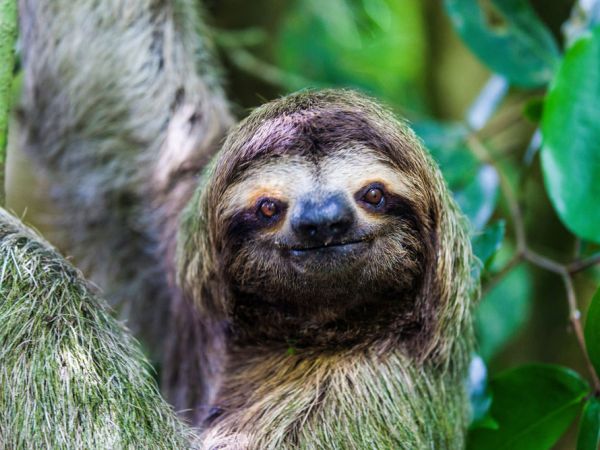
<point x="323" y="215"/>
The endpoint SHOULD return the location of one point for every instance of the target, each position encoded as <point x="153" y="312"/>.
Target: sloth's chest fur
<point x="347" y="322"/>
<point x="344" y="400"/>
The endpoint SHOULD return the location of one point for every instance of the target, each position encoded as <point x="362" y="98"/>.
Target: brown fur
<point x="277" y="327"/>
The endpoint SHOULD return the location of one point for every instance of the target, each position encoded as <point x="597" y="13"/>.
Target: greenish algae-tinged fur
<point x="70" y="375"/>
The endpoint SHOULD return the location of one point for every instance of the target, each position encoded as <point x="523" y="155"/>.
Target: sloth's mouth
<point x="341" y="246"/>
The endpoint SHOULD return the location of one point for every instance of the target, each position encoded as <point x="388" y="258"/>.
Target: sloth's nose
<point x="324" y="220"/>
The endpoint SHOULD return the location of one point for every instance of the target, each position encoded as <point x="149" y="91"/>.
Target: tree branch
<point x="580" y="265"/>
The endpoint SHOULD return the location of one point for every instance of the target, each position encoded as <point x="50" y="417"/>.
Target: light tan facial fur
<point x="290" y="178"/>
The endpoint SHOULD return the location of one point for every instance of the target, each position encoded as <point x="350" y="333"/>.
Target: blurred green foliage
<point x="355" y="43"/>
<point x="592" y="331"/>
<point x="589" y="430"/>
<point x="490" y="162"/>
<point x="447" y="144"/>
<point x="505" y="309"/>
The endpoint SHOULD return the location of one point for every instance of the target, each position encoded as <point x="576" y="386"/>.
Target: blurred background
<point x="408" y="54"/>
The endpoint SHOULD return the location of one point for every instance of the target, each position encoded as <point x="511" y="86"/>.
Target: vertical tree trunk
<point x="8" y="35"/>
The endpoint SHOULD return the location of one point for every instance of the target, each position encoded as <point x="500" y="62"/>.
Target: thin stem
<point x="577" y="247"/>
<point x="583" y="264"/>
<point x="264" y="71"/>
<point x="575" y="318"/>
<point x="234" y="44"/>
<point x="544" y="262"/>
<point x="503" y="122"/>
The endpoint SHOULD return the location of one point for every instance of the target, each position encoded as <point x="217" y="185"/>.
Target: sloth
<point x="304" y="284"/>
<point x="326" y="254"/>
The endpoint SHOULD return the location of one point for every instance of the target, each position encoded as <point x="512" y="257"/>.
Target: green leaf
<point x="475" y="186"/>
<point x="533" y="406"/>
<point x="447" y="144"/>
<point x="592" y="331"/>
<point x="508" y="36"/>
<point x="487" y="243"/>
<point x="589" y="427"/>
<point x="478" y="199"/>
<point x="503" y="311"/>
<point x="571" y="151"/>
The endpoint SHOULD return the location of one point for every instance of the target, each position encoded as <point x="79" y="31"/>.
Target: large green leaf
<point x="508" y="36"/>
<point x="592" y="331"/>
<point x="533" y="406"/>
<point x="503" y="311"/>
<point x="589" y="428"/>
<point x="571" y="129"/>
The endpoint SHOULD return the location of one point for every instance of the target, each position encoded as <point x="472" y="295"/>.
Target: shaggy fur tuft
<point x="121" y="108"/>
<point x="70" y="375"/>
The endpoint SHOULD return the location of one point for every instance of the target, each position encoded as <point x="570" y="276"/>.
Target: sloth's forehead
<point x="291" y="177"/>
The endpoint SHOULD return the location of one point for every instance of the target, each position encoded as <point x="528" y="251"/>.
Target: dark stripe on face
<point x="248" y="221"/>
<point x="403" y="208"/>
<point x="391" y="204"/>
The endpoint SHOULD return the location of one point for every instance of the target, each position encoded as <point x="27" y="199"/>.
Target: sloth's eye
<point x="373" y="196"/>
<point x="268" y="208"/>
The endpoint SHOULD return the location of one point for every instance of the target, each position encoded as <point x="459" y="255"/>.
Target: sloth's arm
<point x="70" y="375"/>
<point x="121" y="107"/>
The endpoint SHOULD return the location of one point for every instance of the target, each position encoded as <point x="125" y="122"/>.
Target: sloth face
<point x="323" y="219"/>
<point x="317" y="205"/>
<point x="327" y="225"/>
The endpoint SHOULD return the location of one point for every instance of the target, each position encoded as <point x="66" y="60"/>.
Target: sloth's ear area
<point x="196" y="270"/>
<point x="458" y="288"/>
<point x="448" y="286"/>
